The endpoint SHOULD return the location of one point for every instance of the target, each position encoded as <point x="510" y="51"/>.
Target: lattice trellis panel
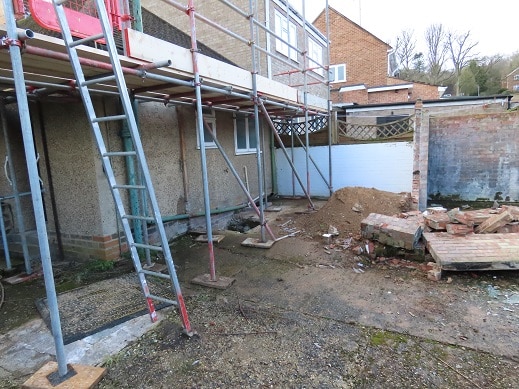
<point x="314" y="125"/>
<point x="370" y="132"/>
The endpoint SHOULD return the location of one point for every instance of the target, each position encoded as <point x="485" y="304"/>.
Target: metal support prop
<point x="201" y="137"/>
<point x="34" y="180"/>
<point x="306" y="63"/>
<point x="238" y="178"/>
<point x="256" y="123"/>
<point x="313" y="162"/>
<point x="16" y="195"/>
<point x="330" y="124"/>
<point x="280" y="142"/>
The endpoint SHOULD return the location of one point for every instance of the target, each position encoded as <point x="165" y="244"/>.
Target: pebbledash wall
<point x="474" y="157"/>
<point x="78" y="203"/>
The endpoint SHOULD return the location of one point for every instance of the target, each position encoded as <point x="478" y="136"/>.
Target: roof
<point x="451" y="101"/>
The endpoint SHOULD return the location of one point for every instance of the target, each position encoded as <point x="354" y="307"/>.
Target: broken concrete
<point x="393" y="231"/>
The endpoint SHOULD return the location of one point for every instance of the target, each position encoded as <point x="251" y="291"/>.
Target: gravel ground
<point x="256" y="345"/>
<point x="304" y="315"/>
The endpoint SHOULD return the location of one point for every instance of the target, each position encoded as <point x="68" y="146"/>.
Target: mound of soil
<point x="347" y="207"/>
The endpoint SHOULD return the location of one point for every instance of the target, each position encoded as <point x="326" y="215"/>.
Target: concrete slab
<point x="219" y="283"/>
<point x="273" y="209"/>
<point x="254" y="242"/>
<point x="25" y="349"/>
<point x="84" y="377"/>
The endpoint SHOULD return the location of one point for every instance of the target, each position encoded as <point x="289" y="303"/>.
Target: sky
<point x="491" y="24"/>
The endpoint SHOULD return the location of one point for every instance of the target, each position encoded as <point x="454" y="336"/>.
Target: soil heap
<point x="348" y="206"/>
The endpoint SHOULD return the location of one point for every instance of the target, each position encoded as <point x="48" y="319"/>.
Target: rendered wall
<point x="84" y="205"/>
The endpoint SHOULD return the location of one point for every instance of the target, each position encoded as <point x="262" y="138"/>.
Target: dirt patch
<point x="347" y="207"/>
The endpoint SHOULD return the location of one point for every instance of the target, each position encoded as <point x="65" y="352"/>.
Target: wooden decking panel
<point x="474" y="251"/>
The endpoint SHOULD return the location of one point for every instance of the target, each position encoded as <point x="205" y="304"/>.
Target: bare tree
<point x="461" y="52"/>
<point x="436" y="39"/>
<point x="405" y="49"/>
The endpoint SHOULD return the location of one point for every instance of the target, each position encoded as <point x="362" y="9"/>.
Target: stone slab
<point x="86" y="377"/>
<point x="253" y="242"/>
<point x="219" y="283"/>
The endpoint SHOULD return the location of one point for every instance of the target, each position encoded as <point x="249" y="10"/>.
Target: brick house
<point x="276" y="15"/>
<point x="511" y="81"/>
<point x="359" y="66"/>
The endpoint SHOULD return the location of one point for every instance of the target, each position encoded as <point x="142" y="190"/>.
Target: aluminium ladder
<point x="138" y="154"/>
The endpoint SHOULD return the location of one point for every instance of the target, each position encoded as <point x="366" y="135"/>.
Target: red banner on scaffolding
<point x="81" y="15"/>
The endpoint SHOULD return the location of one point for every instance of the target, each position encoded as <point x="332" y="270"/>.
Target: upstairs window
<point x="338" y="73"/>
<point x="244" y="135"/>
<point x="516" y="77"/>
<point x="210" y="119"/>
<point x="287" y="31"/>
<point x="315" y="56"/>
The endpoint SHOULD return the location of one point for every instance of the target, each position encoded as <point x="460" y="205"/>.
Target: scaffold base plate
<point x="253" y="242"/>
<point x="219" y="283"/>
<point x="86" y="377"/>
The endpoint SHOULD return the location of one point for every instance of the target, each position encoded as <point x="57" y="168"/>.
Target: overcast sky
<point x="491" y="23"/>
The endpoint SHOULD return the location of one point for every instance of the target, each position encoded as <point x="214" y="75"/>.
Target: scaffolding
<point x="162" y="81"/>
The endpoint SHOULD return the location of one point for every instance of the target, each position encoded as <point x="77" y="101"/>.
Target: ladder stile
<point x="162" y="245"/>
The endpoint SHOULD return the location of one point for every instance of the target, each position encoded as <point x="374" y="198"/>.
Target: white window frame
<point x="248" y="128"/>
<point x="287" y="31"/>
<point x="516" y="77"/>
<point x="515" y="88"/>
<point x="315" y="56"/>
<point x="209" y="117"/>
<point x="334" y="70"/>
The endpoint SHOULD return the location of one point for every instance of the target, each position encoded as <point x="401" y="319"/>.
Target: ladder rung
<point x="162" y="299"/>
<point x="84" y="40"/>
<point x="155" y="274"/>
<point x="139" y="217"/>
<point x="119" y="154"/>
<point x="98" y="80"/>
<point x="109" y="118"/>
<point x="129" y="187"/>
<point x="147" y="246"/>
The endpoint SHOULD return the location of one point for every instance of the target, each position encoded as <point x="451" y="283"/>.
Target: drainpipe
<point x="183" y="167"/>
<point x="132" y="176"/>
<point x="52" y="194"/>
<point x="267" y="39"/>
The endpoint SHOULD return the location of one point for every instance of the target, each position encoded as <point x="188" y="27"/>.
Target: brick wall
<point x="474" y="157"/>
<point x="364" y="54"/>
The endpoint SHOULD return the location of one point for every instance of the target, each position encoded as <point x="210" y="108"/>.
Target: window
<point x="515" y="88"/>
<point x="338" y="73"/>
<point x="210" y="119"/>
<point x="287" y="31"/>
<point x="315" y="56"/>
<point x="516" y="77"/>
<point x="244" y="135"/>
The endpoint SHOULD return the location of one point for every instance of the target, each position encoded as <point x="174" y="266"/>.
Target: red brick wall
<point x="364" y="54"/>
<point x="474" y="156"/>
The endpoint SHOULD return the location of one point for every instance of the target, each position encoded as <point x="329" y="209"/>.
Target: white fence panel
<point x="383" y="166"/>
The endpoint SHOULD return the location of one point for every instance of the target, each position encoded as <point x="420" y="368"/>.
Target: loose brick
<point x="493" y="223"/>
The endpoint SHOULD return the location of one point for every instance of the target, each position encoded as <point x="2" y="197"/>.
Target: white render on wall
<point x="383" y="166"/>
